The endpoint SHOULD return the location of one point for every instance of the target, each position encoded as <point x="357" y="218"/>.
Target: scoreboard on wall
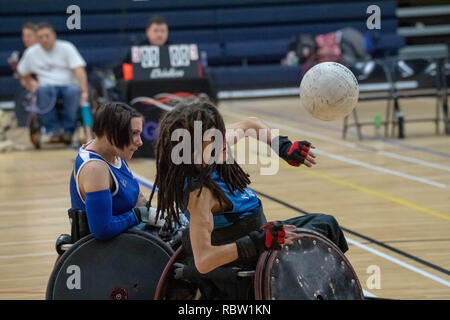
<point x="162" y="69"/>
<point x="178" y="61"/>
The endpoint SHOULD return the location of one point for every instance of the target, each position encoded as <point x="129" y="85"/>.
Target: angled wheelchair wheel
<point x="312" y="268"/>
<point x="126" y="267"/>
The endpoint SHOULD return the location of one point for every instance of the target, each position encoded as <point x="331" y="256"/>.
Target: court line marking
<point x="416" y="240"/>
<point x="34" y="211"/>
<point x="335" y="129"/>
<point x="383" y="255"/>
<point x="31" y="202"/>
<point x="26" y="255"/>
<point x="380" y="169"/>
<point x="21" y="292"/>
<point x="399" y="262"/>
<point x="416" y="148"/>
<point x="414" y="160"/>
<point x="33" y="225"/>
<point x="349" y="160"/>
<point x="379" y="194"/>
<point x="25" y="242"/>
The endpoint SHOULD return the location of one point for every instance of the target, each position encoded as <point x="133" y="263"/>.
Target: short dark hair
<point x="43" y="25"/>
<point x="29" y="25"/>
<point x="156" y="19"/>
<point x="113" y="120"/>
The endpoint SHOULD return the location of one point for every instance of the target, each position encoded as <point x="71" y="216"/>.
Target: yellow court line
<point x="378" y="194"/>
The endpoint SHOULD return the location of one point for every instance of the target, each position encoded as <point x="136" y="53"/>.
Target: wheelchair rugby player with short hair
<point x="106" y="202"/>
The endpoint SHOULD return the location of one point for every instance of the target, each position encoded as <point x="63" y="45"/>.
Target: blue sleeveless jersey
<point x="125" y="190"/>
<point x="244" y="204"/>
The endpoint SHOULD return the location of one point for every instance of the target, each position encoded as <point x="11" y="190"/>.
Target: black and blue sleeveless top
<point x="244" y="203"/>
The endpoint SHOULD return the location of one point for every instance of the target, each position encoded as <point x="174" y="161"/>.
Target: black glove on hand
<point x="178" y="270"/>
<point x="185" y="271"/>
<point x="294" y="153"/>
<point x="270" y="237"/>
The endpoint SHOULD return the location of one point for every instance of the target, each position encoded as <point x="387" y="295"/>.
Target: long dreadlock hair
<point x="170" y="177"/>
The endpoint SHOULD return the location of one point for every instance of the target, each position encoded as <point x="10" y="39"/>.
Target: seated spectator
<point x="157" y="32"/>
<point x="60" y="72"/>
<point x="28" y="39"/>
<point x="23" y="98"/>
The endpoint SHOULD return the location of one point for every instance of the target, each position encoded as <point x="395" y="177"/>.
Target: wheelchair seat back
<point x="79" y="224"/>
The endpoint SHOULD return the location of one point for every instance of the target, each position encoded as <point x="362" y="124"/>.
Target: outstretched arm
<point x="251" y="126"/>
<point x="295" y="154"/>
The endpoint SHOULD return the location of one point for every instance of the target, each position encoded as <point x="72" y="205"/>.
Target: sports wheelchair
<point x="140" y="265"/>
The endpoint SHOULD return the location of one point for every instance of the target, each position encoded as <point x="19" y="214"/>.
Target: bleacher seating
<point x="245" y="37"/>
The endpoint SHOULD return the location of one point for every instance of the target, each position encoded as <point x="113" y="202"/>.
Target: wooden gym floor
<point x="391" y="197"/>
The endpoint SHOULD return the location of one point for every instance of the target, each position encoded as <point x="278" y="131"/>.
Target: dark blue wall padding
<point x="231" y="32"/>
<point x="253" y="77"/>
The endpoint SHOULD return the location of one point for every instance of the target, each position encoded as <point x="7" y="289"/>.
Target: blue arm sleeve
<point x="102" y="224"/>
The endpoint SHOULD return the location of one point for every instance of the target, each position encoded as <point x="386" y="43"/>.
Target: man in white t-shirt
<point x="60" y="72"/>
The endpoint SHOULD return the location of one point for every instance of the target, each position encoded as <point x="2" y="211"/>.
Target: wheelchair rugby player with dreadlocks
<point x="228" y="228"/>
